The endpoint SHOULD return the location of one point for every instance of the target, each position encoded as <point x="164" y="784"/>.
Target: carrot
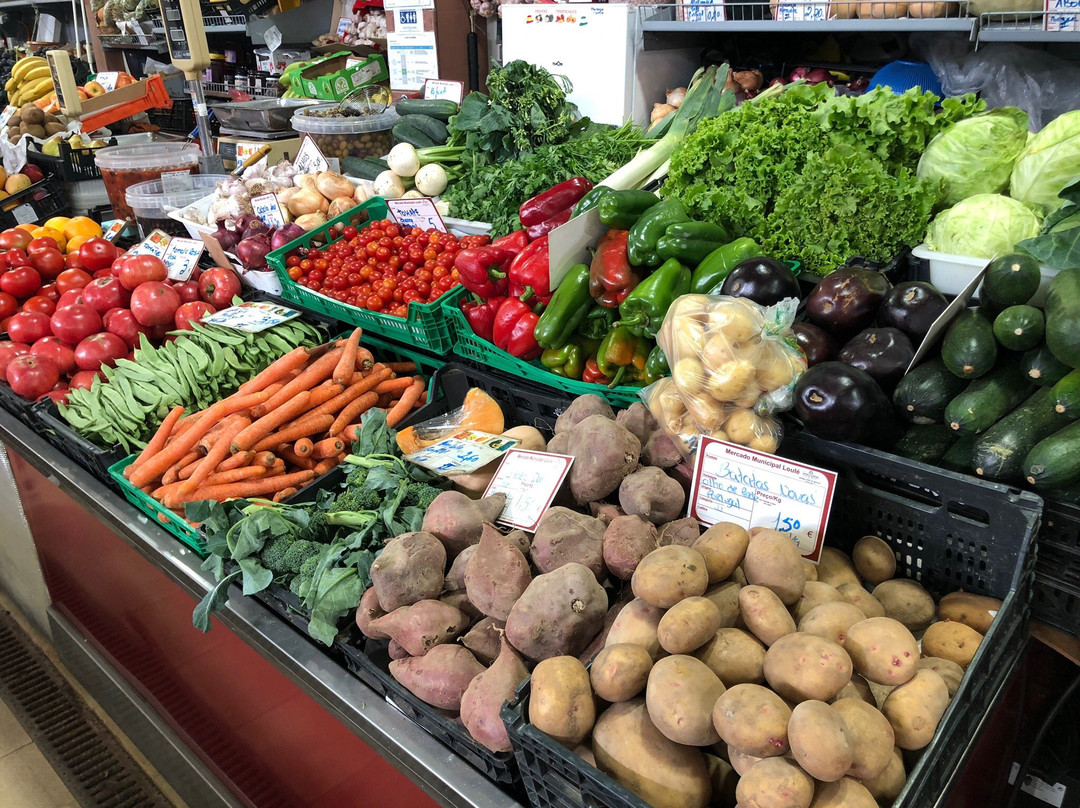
<point x="347" y="363"/>
<point x="173" y="472"/>
<point x="276" y="371"/>
<point x="327" y="448"/>
<point x="324" y="466"/>
<point x="354" y="391"/>
<point x="302" y="447"/>
<point x="156" y="443"/>
<point x="364" y="359"/>
<point x="284" y="494"/>
<point x="350" y="433"/>
<point x="408" y="398"/>
<point x="318" y="370"/>
<point x="293" y="459"/>
<point x="218" y="452"/>
<point x="420" y="402"/>
<point x="210" y="438"/>
<point x="277" y="468"/>
<point x="299" y="429"/>
<point x="327" y="391"/>
<point x="185" y="423"/>
<point x="236" y="461"/>
<point x="259" y="487"/>
<point x="352" y="412"/>
<point x="264" y="458"/>
<point x="235" y="475"/>
<point x="401" y="367"/>
<point x="259" y="429"/>
<point x="394" y="385"/>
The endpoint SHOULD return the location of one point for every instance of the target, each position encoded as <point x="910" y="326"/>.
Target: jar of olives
<point x="339" y="135"/>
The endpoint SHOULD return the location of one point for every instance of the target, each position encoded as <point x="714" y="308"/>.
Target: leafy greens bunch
<point x="321" y="550"/>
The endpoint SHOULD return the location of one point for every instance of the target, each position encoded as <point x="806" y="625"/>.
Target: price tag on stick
<point x="266" y="208"/>
<point x="754" y="489"/>
<point x="309" y="158"/>
<point x="155" y="244"/>
<point x="530" y="481"/>
<point x="420" y="213"/>
<point x="182" y="256"/>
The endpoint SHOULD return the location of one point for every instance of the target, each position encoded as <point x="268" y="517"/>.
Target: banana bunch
<point x="30" y="80"/>
<point x="286" y="78"/>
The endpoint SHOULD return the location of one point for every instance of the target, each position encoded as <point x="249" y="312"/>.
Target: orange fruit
<point x="57" y="223"/>
<point x="29" y="228"/>
<point x="74" y="243"/>
<point x="479" y="412"/>
<point x="51" y="233"/>
<point x="81" y="226"/>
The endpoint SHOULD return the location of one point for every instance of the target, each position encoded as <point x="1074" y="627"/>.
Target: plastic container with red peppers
<point x="124" y="166"/>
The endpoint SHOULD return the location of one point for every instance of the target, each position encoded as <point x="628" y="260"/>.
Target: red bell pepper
<point x="592" y="373"/>
<point x="481" y="272"/>
<point x="546" y="226"/>
<point x="611" y="278"/>
<point x="529" y="273"/>
<point x="480" y="315"/>
<point x="552" y="201"/>
<point x="513" y="243"/>
<point x="515" y="324"/>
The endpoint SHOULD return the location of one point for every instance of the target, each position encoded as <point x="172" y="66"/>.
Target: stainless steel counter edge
<point x="449" y="780"/>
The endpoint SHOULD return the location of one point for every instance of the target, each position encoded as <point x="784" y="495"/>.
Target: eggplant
<point x="816" y="343"/>
<point x="884" y="353"/>
<point x="836" y="401"/>
<point x="912" y="306"/>
<point x="763" y="280"/>
<point x="846" y="301"/>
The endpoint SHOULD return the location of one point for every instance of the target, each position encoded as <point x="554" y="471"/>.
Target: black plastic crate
<point x="948" y="531"/>
<point x="522" y="403"/>
<point x="72" y="165"/>
<point x="17" y="405"/>
<point x="180" y="118"/>
<point x="42" y="200"/>
<point x="1056" y="601"/>
<point x="90" y="456"/>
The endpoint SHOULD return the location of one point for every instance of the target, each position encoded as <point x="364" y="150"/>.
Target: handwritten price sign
<point x="416" y="213"/>
<point x="530" y="481"/>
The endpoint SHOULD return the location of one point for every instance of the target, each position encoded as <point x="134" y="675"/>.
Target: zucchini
<point x="922" y="395"/>
<point x="969" y="349"/>
<point x="1062" y="316"/>
<point x="987" y="400"/>
<point x="1042" y="367"/>
<point x="442" y="110"/>
<point x="1055" y="460"/>
<point x="403" y="133"/>
<point x="926" y="443"/>
<point x="1019" y="327"/>
<point x="999" y="454"/>
<point x="1011" y="280"/>
<point x="958" y="458"/>
<point x="1067" y="395"/>
<point x="364" y="168"/>
<point x="434" y="129"/>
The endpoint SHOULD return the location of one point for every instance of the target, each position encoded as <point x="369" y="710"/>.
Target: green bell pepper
<point x="569" y="360"/>
<point x="717" y="265"/>
<point x="691" y="242"/>
<point x="622" y="209"/>
<point x="656" y="366"/>
<point x="568" y="306"/>
<point x="644" y="308"/>
<point x="590" y="200"/>
<point x="647" y="230"/>
<point x="597" y="322"/>
<point x="621" y="356"/>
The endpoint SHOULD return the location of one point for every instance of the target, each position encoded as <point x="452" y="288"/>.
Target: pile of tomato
<point x="384" y="267"/>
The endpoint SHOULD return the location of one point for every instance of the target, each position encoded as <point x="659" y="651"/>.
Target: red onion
<point x="798" y="73"/>
<point x="284" y="234"/>
<point x="252" y="251"/>
<point x="226" y="238"/>
<point x="246" y="220"/>
<point x="778" y="80"/>
<point x="819" y="75"/>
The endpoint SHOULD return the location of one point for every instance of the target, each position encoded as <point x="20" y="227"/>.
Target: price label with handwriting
<point x="309" y="158"/>
<point x="181" y="257"/>
<point x="252" y="316"/>
<point x="444" y="89"/>
<point x="754" y="489"/>
<point x="416" y="213"/>
<point x="463" y="452"/>
<point x="266" y="208"/>
<point x="530" y="480"/>
<point x="154" y="244"/>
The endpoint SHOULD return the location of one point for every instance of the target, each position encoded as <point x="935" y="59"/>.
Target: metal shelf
<point x="1025" y="27"/>
<point x="218" y="24"/>
<point x="32" y="3"/>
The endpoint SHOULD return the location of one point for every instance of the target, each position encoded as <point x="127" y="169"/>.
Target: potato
<point x="753" y="719"/>
<point x="688" y="625"/>
<point x="440" y="677"/>
<point x="741" y="762"/>
<point x="735" y="656"/>
<point x="976" y="611"/>
<point x="620" y="672"/>
<point x="410" y="568"/>
<point x="773" y="560"/>
<point x="801" y="667"/>
<point x="906" y="601"/>
<point x="861" y="599"/>
<point x="563" y="536"/>
<point x="724" y="780"/>
<point x="652" y="494"/>
<point x="688" y="375"/>
<point x="835" y="568"/>
<point x="726" y="598"/>
<point x="814" y="594"/>
<point x="604" y="453"/>
<point x="765" y="614"/>
<point x="668" y="574"/>
<point x="948" y="670"/>
<point x="857" y="688"/>
<point x="561" y="700"/>
<point x="915" y="708"/>
<point x="874" y="559"/>
<point x="844" y="793"/>
<point x="627" y="540"/>
<point x="883" y="650"/>
<point x="629" y="748"/>
<point x="580" y="409"/>
<point x="820" y="741"/>
<point x="952" y="641"/>
<point x="871" y="736"/>
<point x="831" y="621"/>
<point x="637" y="623"/>
<point x="887" y="786"/>
<point x="810" y="568"/>
<point x="775" y="783"/>
<point x="680" y="696"/>
<point x="879" y="692"/>
<point x="559" y="613"/>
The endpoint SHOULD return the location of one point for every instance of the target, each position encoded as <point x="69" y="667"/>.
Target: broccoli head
<point x="355" y="498"/>
<point x="274" y="555"/>
<point x="420" y="494"/>
<point x="304" y="574"/>
<point x="300" y="552"/>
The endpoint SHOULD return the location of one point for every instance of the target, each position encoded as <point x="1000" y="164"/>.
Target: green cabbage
<point x="975" y="155"/>
<point x="982" y="226"/>
<point x="1049" y="162"/>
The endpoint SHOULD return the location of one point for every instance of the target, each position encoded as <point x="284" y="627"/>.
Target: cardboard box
<point x="332" y="78"/>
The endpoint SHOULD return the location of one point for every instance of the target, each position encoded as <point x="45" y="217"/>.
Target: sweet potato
<point x="680" y="696"/>
<point x="395" y="651"/>
<point x="580" y="409"/>
<point x="722" y="546"/>
<point x="651" y="494"/>
<point x="683" y="531"/>
<point x="559" y="613"/>
<point x="764" y="614"/>
<point x="422" y="626"/>
<point x="820" y="741"/>
<point x="440" y="677"/>
<point x="620" y="672"/>
<point x="564" y="536"/>
<point x="460" y="600"/>
<point x="604" y="453"/>
<point x="484" y="697"/>
<point x="688" y="625"/>
<point x="735" y="656"/>
<point x="496" y="575"/>
<point x="668" y="574"/>
<point x="455" y="578"/>
<point x="775" y="783"/>
<point x="484" y="639"/>
<point x="772" y="560"/>
<point x="661" y="451"/>
<point x="600" y="640"/>
<point x="627" y="540"/>
<point x="368" y="610"/>
<point x="521" y="540"/>
<point x="559" y="443"/>
<point x="457" y="521"/>
<point x="561" y="700"/>
<point x="637" y="623"/>
<point x="638" y="420"/>
<point x="409" y="569"/>
<point x="752" y="719"/>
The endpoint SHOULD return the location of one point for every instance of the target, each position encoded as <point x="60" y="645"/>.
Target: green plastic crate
<point x="470" y="346"/>
<point x="425" y="326"/>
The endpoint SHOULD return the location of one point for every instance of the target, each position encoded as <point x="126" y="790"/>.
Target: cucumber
<point x="969" y="349"/>
<point x="1062" y="316"/>
<point x="434" y="129"/>
<point x="1042" y="367"/>
<point x="1000" y="452"/>
<point x="364" y="168"/>
<point x="987" y="400"/>
<point x="1067" y="395"/>
<point x="442" y="110"/>
<point x="926" y="443"/>
<point x="1011" y="280"/>
<point x="403" y="133"/>
<point x="1055" y="460"/>
<point x="958" y="458"/>
<point x="922" y="395"/>
<point x="1019" y="327"/>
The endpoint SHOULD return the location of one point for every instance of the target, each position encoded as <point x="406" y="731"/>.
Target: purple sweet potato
<point x="683" y="531"/>
<point x="459" y="599"/>
<point x="409" y="569"/>
<point x="661" y="451"/>
<point x="651" y="494"/>
<point x="422" y="626"/>
<point x="564" y="536"/>
<point x="638" y="420"/>
<point x="580" y="409"/>
<point x="368" y="610"/>
<point x="559" y="444"/>
<point x="496" y="575"/>
<point x="455" y="578"/>
<point x="520" y="539"/>
<point x="484" y="697"/>
<point x="627" y="540"/>
<point x="440" y="677"/>
<point x="483" y="639"/>
<point x="457" y="521"/>
<point x="559" y="614"/>
<point x="604" y="453"/>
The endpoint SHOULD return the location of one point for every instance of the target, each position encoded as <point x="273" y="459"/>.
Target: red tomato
<point x="69" y="297"/>
<point x="17" y="258"/>
<point x="190" y="313"/>
<point x="29" y="326"/>
<point x="154" y="303"/>
<point x="42" y="243"/>
<point x="98" y="350"/>
<point x="8" y="305"/>
<point x="22" y="282"/>
<point x="59" y="395"/>
<point x="75" y="323"/>
<point x="84" y="378"/>
<point x="57" y="351"/>
<point x="188" y="290"/>
<point x="160" y="333"/>
<point x="48" y="262"/>
<point x="8" y="351"/>
<point x="106" y="293"/>
<point x="72" y="261"/>
<point x="218" y="286"/>
<point x="123" y="323"/>
<point x="50" y="291"/>
<point x="39" y="303"/>
<point x="32" y="376"/>
<point x="15" y="239"/>
<point x="138" y="269"/>
<point x="97" y="253"/>
<point x="72" y="279"/>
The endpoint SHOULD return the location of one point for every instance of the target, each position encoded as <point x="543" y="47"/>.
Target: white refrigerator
<point x="599" y="48"/>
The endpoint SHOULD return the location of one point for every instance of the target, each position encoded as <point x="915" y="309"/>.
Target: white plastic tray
<point x="951" y="273"/>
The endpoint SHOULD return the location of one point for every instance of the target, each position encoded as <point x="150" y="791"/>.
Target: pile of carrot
<point x="277" y="432"/>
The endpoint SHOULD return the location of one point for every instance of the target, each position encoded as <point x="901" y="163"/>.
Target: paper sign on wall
<point x="310" y="159"/>
<point x="754" y="489"/>
<point x="444" y="90"/>
<point x="154" y="244"/>
<point x="530" y="481"/>
<point x="266" y="208"/>
<point x="416" y="213"/>
<point x="408" y="20"/>
<point x="412" y="59"/>
<point x="181" y="257"/>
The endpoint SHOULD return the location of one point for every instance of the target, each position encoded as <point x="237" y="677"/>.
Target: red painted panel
<point x="262" y="735"/>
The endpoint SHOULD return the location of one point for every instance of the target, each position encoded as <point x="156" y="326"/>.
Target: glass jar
<point x="240" y="80"/>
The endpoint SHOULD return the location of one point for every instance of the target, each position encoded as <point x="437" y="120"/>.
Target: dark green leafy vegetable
<point x="1058" y="245"/>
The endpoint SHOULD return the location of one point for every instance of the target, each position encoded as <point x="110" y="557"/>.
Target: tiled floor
<point x="26" y="778"/>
